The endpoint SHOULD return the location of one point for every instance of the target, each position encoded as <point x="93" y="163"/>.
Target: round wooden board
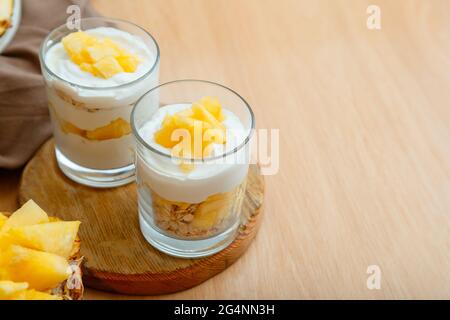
<point x="118" y="258"/>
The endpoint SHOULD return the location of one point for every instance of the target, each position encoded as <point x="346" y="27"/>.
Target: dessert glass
<point x="196" y="213"/>
<point x="78" y="110"/>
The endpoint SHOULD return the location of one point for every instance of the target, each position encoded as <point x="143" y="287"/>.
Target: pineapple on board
<point x="38" y="256"/>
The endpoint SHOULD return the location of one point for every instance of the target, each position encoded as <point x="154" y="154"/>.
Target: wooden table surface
<point x="364" y="119"/>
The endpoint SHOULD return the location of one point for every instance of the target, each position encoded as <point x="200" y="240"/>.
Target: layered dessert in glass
<point x="192" y="159"/>
<point x="94" y="77"/>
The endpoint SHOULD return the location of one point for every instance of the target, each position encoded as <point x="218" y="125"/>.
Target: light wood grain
<point x="117" y="258"/>
<point x="365" y="137"/>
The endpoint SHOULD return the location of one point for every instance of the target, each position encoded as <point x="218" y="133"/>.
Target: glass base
<point x="186" y="248"/>
<point x="92" y="177"/>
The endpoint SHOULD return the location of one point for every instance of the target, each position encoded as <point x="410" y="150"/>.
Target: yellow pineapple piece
<point x="74" y="44"/>
<point x="110" y="43"/>
<point x="3" y="219"/>
<point x="8" y="288"/>
<point x="204" y="219"/>
<point x="5" y="241"/>
<point x="129" y="63"/>
<point x="97" y="52"/>
<point x="213" y="209"/>
<point x="42" y="270"/>
<point x="164" y="135"/>
<point x="196" y="130"/>
<point x="213" y="106"/>
<point x="53" y="237"/>
<point x="202" y="127"/>
<point x="113" y="130"/>
<point x="101" y="57"/>
<point x="86" y="67"/>
<point x="30" y="213"/>
<point x="107" y="67"/>
<point x="68" y="127"/>
<point x="201" y="113"/>
<point x="217" y="134"/>
<point x="33" y="295"/>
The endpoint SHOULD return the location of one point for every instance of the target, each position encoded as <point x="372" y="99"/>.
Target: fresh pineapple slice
<point x="212" y="210"/>
<point x="30" y="213"/>
<point x="201" y="113"/>
<point x="107" y="67"/>
<point x="113" y="130"/>
<point x="42" y="270"/>
<point x="164" y="135"/>
<point x="97" y="52"/>
<point x="128" y="63"/>
<point x="86" y="67"/>
<point x="74" y="44"/>
<point x="33" y="295"/>
<point x="213" y="106"/>
<point x="101" y="57"/>
<point x="3" y="219"/>
<point x="68" y="127"/>
<point x="202" y="122"/>
<point x="8" y="288"/>
<point x="52" y="237"/>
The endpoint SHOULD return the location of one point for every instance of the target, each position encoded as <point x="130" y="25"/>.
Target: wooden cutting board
<point x="118" y="258"/>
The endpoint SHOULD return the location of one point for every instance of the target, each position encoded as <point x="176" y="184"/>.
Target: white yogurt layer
<point x="165" y="177"/>
<point x="96" y="104"/>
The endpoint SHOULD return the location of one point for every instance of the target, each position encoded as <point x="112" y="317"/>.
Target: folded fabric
<point x="24" y="117"/>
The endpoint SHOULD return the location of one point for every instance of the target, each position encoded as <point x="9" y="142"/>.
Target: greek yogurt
<point x="81" y="104"/>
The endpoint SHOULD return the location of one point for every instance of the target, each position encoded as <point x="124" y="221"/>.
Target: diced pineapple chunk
<point x="97" y="52"/>
<point x="88" y="68"/>
<point x="213" y="106"/>
<point x="101" y="57"/>
<point x="42" y="270"/>
<point x="76" y="41"/>
<point x="114" y="130"/>
<point x="30" y="213"/>
<point x="211" y="211"/>
<point x="128" y="63"/>
<point x="164" y="135"/>
<point x="201" y="113"/>
<point x="107" y="67"/>
<point x="201" y="124"/>
<point x="33" y="295"/>
<point x="52" y="237"/>
<point x="3" y="219"/>
<point x="8" y="288"/>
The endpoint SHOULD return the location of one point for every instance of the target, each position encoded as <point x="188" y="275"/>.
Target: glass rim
<point x="120" y="86"/>
<point x="193" y="160"/>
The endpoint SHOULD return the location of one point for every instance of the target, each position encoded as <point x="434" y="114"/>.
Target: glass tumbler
<point x="197" y="212"/>
<point x="91" y="121"/>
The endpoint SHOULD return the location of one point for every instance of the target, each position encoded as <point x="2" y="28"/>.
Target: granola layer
<point x="198" y="220"/>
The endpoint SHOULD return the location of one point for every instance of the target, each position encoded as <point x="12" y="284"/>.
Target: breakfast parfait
<point x="93" y="78"/>
<point x="192" y="164"/>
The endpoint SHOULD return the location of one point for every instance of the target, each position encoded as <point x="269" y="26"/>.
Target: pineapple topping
<point x="34" y="253"/>
<point x="190" y="133"/>
<point x="101" y="57"/>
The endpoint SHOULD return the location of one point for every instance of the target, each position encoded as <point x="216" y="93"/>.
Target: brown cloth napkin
<point x="24" y="117"/>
